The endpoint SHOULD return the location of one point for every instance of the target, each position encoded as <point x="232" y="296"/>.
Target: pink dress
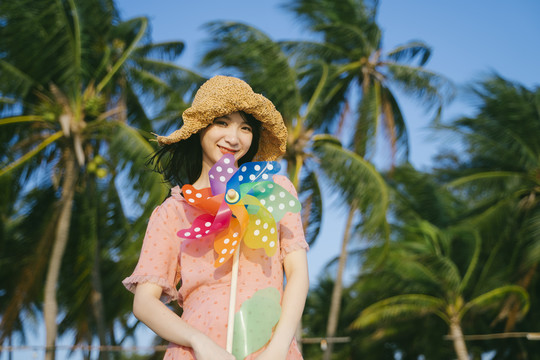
<point x="167" y="260"/>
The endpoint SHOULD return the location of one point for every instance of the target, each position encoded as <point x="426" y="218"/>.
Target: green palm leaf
<point x="495" y="296"/>
<point x="355" y="178"/>
<point x="399" y="307"/>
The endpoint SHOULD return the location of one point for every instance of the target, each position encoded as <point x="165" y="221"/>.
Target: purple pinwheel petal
<point x="220" y="174"/>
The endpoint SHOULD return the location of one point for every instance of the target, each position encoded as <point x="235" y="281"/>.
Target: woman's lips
<point x="225" y="150"/>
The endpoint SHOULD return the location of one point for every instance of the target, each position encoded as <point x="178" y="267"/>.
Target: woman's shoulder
<point x="174" y="202"/>
<point x="176" y="194"/>
<point x="282" y="180"/>
<point x="285" y="182"/>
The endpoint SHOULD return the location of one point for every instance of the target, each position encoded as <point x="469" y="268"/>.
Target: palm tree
<point x="73" y="81"/>
<point x="433" y="264"/>
<point x="352" y="43"/>
<point x="444" y="294"/>
<point x="498" y="174"/>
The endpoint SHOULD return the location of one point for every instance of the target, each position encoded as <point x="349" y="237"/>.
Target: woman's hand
<point x="206" y="349"/>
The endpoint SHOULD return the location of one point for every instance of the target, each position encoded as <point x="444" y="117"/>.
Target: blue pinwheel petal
<point x="253" y="172"/>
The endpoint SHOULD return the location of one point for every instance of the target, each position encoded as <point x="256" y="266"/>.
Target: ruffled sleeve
<point x="159" y="259"/>
<point x="291" y="230"/>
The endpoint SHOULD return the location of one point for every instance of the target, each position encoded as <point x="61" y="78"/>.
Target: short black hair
<point x="181" y="163"/>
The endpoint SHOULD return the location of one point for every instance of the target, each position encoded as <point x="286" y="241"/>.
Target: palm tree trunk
<point x="459" y="342"/>
<point x="97" y="303"/>
<point x="335" y="303"/>
<point x="97" y="287"/>
<point x="50" y="306"/>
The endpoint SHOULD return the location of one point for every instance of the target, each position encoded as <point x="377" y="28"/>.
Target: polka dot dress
<point x="168" y="260"/>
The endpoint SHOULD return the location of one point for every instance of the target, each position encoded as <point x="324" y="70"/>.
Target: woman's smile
<point x="225" y="150"/>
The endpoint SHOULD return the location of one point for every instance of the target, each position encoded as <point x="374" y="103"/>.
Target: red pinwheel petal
<point x="202" y="226"/>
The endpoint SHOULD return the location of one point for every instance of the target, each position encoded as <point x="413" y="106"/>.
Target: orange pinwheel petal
<point x="227" y="242"/>
<point x="202" y="198"/>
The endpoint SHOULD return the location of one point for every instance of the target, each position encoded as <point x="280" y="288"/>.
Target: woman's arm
<point x="163" y="321"/>
<point x="292" y="305"/>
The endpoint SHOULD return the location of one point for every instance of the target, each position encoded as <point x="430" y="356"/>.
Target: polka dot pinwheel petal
<point x="227" y="242"/>
<point x="207" y="224"/>
<point x="202" y="226"/>
<point x="275" y="199"/>
<point x="221" y="173"/>
<point x="253" y="172"/>
<point x="202" y="199"/>
<point x="261" y="231"/>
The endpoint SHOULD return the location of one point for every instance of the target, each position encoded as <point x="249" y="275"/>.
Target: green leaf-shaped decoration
<point x="254" y="321"/>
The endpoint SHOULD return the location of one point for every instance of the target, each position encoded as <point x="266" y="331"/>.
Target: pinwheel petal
<point x="252" y="172"/>
<point x="227" y="242"/>
<point x="202" y="199"/>
<point x="261" y="231"/>
<point x="221" y="173"/>
<point x="275" y="198"/>
<point x="202" y="226"/>
<point x="254" y="322"/>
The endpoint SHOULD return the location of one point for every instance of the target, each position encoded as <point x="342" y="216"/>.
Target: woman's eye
<point x="220" y="122"/>
<point x="247" y="128"/>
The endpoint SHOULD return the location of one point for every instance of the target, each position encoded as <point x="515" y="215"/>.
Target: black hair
<point x="181" y="163"/>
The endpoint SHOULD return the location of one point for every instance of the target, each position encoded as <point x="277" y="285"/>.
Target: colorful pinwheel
<point x="243" y="205"/>
<point x="240" y="204"/>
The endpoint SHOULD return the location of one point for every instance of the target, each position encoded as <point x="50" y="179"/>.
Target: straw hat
<point x="223" y="95"/>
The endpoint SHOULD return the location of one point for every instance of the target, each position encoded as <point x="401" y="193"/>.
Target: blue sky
<point x="469" y="40"/>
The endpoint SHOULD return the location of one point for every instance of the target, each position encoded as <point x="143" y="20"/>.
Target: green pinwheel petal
<point x="254" y="322"/>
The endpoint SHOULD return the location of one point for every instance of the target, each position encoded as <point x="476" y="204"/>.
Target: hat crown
<point x="219" y="88"/>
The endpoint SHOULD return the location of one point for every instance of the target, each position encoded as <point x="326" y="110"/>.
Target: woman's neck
<point x="203" y="181"/>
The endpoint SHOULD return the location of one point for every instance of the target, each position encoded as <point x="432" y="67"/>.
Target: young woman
<point x="226" y="117"/>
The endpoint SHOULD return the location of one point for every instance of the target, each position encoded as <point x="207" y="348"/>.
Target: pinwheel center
<point x="232" y="196"/>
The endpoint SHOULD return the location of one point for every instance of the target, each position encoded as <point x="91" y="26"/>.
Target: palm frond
<point x="50" y="139"/>
<point x="355" y="178"/>
<point x="432" y="89"/>
<point x="133" y="151"/>
<point x="125" y="54"/>
<point x="310" y="196"/>
<point x="167" y="51"/>
<point x="409" y="51"/>
<point x="399" y="307"/>
<point x="488" y="175"/>
<point x="495" y="296"/>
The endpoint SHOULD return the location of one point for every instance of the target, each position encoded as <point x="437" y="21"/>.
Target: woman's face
<point x="230" y="134"/>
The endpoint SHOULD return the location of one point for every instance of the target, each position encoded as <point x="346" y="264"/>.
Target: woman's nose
<point x="231" y="136"/>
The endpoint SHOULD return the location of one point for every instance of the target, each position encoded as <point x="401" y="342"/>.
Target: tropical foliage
<point x="351" y="47"/>
<point x="74" y="80"/>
